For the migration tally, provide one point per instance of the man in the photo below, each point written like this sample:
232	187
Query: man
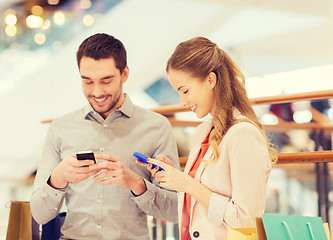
109	199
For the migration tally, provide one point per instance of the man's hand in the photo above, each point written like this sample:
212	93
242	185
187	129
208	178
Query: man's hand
115	171
71	170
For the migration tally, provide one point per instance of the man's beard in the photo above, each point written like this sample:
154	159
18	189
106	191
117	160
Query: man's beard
112	104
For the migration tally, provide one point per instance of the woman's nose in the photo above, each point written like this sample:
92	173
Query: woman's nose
183	101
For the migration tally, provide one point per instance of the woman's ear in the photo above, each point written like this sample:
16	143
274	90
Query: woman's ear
212	79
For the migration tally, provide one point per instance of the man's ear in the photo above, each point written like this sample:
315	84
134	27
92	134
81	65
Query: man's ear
125	74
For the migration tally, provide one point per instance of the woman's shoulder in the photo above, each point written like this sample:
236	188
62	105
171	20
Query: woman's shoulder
201	131
204	128
244	130
243	126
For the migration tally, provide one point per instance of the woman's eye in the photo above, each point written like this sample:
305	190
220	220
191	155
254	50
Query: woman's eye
185	92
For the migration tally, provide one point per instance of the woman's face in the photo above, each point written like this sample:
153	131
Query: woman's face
194	93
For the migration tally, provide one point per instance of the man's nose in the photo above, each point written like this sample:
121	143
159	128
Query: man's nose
98	91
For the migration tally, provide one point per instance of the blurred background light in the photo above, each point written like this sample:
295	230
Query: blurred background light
10	31
53	2
269	119
46	24
88	20
59	18
40	38
85	4
37	10
57	45
302	116
34	21
330	113
11	19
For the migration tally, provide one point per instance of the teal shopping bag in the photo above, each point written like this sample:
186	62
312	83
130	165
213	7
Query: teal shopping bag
292	227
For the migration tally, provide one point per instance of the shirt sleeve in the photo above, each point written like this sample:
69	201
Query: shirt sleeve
156	201
43	194
249	170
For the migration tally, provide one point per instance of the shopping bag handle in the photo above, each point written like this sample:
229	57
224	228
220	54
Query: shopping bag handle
288	230
310	230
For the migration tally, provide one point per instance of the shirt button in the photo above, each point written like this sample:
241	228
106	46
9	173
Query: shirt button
105	125
98	227
55	209
98	200
101	149
196	234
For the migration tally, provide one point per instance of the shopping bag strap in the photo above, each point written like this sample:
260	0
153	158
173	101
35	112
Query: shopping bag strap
310	230
288	230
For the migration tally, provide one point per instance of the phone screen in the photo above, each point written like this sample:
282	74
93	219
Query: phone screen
85	155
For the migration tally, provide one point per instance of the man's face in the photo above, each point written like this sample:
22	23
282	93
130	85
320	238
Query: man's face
102	84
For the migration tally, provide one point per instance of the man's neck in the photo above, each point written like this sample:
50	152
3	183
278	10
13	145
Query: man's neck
117	106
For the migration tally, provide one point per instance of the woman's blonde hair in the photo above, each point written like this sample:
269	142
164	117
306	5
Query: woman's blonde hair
199	57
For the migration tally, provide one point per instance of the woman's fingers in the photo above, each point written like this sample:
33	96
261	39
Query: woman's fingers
141	163
165	159
157	162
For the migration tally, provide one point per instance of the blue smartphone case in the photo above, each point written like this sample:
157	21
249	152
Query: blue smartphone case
143	158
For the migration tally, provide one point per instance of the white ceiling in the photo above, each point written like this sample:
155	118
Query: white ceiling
263	36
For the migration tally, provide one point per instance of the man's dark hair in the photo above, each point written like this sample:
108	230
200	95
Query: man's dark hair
102	46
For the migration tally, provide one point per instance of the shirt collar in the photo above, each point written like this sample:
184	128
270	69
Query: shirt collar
127	108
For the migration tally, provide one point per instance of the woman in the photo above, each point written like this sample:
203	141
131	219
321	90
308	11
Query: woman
224	182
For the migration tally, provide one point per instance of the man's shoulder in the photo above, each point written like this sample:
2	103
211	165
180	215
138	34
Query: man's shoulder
69	117
147	113
150	119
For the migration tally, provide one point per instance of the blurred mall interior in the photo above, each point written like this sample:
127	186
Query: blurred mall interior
283	48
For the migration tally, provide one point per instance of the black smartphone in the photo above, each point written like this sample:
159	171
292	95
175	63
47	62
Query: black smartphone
85	155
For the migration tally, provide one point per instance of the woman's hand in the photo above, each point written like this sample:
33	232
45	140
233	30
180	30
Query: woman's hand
179	181
154	170
171	177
